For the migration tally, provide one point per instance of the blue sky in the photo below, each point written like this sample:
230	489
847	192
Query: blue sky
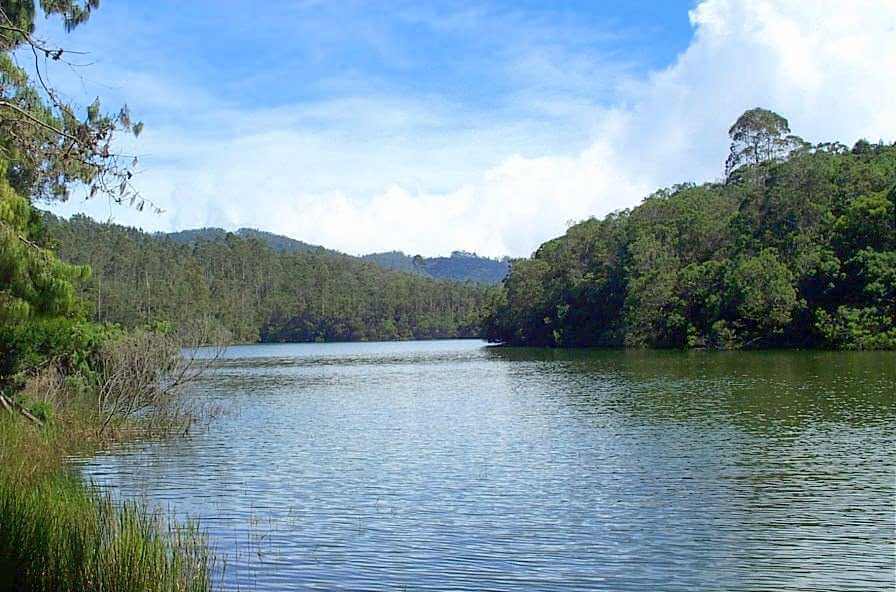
469	52
484	126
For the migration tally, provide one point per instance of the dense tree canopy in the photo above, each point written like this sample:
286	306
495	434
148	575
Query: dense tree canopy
798	250
460	266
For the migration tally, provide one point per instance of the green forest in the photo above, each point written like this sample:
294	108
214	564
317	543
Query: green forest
796	247
255	292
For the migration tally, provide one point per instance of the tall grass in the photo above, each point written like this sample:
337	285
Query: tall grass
58	533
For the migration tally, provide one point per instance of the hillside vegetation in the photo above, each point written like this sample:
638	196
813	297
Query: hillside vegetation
796	247
255	291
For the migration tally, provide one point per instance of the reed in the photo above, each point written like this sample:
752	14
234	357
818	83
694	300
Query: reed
58	533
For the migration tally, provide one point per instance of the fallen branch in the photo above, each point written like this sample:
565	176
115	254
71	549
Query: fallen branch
13	406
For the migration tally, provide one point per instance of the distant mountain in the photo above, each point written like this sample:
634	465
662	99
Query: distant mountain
461	266
396	260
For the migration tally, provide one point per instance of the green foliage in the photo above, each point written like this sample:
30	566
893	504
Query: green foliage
39	309
875	271
867	222
42	410
857	328
761	290
71	344
806	257
256	292
33	282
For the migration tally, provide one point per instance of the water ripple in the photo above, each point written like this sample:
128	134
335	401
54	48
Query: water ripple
451	466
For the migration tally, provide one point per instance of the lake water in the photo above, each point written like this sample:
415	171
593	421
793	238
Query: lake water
448	465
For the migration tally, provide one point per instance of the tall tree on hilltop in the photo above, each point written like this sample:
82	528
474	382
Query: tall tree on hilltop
758	136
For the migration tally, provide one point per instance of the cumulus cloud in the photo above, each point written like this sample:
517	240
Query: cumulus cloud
424	175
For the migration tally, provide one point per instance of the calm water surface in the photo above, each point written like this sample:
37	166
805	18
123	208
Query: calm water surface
451	466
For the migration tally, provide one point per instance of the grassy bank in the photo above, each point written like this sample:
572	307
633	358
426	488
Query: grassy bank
59	533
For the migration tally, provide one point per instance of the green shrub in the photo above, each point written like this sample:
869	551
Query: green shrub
72	343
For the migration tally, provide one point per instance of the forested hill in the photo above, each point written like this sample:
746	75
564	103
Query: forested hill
796	247
460	266
279	243
256	292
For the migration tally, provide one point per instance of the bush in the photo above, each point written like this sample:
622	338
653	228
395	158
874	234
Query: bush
143	373
71	344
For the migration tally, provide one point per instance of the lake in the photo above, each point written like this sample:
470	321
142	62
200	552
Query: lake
449	465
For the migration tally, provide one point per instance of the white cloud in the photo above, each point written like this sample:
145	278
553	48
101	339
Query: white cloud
423	175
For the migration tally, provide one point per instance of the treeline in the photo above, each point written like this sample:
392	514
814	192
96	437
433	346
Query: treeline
796	248
255	292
